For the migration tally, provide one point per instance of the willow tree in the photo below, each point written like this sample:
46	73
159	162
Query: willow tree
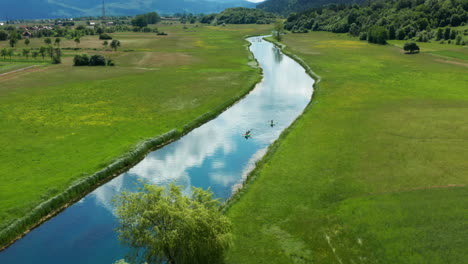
161	225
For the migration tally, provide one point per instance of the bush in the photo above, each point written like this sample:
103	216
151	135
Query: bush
146	29
378	35
3	35
97	60
104	36
411	47
161	33
81	60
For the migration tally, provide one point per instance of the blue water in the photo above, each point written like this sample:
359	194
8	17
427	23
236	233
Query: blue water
214	155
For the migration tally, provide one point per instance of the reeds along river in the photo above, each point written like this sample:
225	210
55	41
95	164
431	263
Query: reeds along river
215	155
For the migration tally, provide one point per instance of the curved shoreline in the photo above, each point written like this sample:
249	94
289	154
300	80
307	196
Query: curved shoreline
50	208
274	146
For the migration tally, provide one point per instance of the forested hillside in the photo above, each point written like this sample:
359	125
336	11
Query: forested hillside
242	15
288	6
403	19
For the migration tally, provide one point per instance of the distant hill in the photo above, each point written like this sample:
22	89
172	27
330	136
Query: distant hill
29	9
288	6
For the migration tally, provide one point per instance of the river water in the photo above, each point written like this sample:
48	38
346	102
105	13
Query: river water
215	155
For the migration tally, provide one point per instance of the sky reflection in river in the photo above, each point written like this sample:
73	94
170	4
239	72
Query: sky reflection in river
216	155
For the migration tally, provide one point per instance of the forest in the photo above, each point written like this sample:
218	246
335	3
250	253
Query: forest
403	19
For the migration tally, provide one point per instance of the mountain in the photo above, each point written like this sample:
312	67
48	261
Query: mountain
288	6
30	9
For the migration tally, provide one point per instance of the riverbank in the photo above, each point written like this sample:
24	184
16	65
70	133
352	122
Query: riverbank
116	104
374	169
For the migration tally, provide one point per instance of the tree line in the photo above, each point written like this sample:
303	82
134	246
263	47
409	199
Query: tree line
421	20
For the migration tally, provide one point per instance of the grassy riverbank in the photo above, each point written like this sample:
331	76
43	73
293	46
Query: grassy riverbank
62	123
373	172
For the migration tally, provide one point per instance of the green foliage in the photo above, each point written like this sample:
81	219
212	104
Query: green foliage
3	35
403	19
164	226
241	15
115	44
278	29
411	47
97	60
105	36
378	35
81	60
145	19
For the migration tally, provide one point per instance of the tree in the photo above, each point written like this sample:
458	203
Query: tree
3	35
140	21
378	35
105	44
35	54
42	51
440	34
27	42
57	42
81	60
411	47
163	226
153	18
47	41
11	52
13	42
4	53
77	41
26	53
447	33
56	55
115	44
278	29
97	60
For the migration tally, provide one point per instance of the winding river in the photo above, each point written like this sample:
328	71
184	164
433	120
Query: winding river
215	155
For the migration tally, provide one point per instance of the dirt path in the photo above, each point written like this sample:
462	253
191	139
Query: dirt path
22	69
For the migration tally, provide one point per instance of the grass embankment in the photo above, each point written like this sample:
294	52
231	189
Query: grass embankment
61	123
375	171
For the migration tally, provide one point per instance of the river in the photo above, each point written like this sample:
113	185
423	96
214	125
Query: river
215	155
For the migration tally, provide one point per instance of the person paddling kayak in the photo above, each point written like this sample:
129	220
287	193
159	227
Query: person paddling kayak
248	134
272	124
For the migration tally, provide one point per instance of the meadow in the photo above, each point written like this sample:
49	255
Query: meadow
62	123
374	171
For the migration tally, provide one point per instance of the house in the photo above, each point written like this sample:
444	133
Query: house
2	24
92	23
110	23
27	34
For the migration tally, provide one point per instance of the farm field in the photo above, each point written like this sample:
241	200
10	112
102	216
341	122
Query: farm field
61	123
375	171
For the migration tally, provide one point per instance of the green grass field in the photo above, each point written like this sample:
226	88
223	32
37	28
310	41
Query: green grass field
61	123
376	169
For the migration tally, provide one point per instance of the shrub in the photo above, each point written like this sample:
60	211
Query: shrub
411	47
378	35
81	60
104	36
363	36
97	60
3	35
146	29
